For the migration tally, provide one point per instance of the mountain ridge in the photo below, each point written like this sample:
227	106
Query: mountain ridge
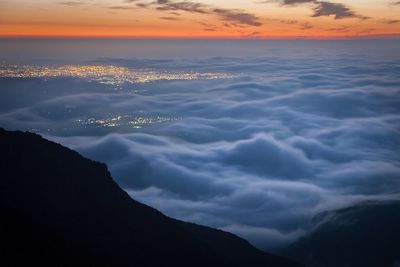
61	209
363	235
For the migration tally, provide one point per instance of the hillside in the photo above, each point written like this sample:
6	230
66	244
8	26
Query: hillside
61	209
366	235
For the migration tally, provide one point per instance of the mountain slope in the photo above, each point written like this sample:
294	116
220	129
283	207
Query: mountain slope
60	209
366	235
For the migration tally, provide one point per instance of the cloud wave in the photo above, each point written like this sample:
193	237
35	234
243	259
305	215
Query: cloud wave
259	154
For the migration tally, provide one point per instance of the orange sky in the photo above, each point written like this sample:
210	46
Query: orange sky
199	18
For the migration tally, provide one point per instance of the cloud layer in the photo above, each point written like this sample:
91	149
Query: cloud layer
285	137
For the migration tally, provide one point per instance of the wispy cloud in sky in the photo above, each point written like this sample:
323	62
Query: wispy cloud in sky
224	14
338	11
72	3
153	18
322	8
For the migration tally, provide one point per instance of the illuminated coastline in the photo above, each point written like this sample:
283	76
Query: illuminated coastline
104	74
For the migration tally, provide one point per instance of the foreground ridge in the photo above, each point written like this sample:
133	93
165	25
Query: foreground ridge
61	209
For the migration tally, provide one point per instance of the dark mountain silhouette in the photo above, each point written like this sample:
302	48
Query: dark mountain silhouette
61	209
366	235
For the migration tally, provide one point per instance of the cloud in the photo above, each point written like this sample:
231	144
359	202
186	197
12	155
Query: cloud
182	6
344	28
72	3
121	7
229	15
286	135
367	31
237	16
324	8
390	21
296	2
337	10
169	18
306	26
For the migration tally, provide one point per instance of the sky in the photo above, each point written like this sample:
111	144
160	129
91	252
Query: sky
199	18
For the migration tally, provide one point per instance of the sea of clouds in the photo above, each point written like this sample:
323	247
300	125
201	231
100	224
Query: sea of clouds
258	152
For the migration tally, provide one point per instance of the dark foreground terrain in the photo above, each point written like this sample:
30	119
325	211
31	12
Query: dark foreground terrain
366	235
61	209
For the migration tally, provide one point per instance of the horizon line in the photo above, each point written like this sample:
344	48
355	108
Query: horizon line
133	37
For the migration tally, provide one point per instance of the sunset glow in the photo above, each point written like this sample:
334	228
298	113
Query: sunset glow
199	19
